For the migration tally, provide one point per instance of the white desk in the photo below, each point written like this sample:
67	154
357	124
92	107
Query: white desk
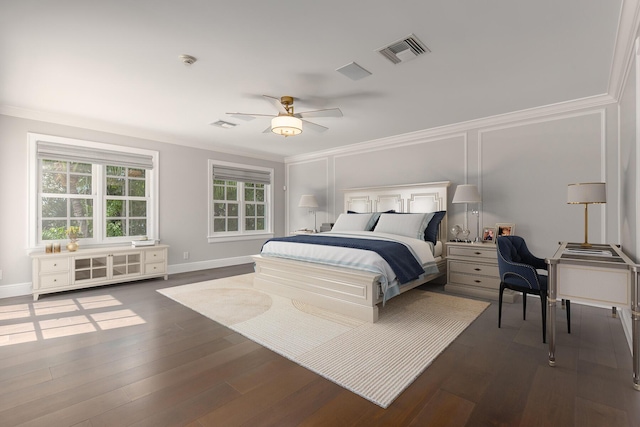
607	281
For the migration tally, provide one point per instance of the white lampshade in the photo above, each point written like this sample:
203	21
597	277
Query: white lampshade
466	193
308	201
286	125
587	192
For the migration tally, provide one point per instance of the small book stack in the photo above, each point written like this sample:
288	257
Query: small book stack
139	243
591	252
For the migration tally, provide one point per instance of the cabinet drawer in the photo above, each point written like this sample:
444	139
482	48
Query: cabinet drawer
473	268
154	268
477	281
53	265
487	252
154	255
54	280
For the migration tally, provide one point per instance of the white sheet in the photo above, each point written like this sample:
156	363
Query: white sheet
358	259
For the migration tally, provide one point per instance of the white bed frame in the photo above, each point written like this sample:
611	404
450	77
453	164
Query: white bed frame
346	291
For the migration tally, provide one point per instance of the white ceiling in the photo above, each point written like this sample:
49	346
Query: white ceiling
114	64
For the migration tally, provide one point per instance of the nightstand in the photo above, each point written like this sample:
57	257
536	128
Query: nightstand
472	269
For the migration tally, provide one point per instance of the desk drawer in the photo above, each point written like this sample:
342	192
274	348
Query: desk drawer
473	268
599	286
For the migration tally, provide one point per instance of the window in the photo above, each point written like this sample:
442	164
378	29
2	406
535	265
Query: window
239	202
109	192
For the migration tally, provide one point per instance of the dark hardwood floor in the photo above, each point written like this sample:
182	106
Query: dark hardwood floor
126	355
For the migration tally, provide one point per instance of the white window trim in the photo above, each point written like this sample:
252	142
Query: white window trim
152	183
233	237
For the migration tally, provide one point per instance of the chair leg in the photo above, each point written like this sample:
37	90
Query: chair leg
543	301
524	306
500	304
568	305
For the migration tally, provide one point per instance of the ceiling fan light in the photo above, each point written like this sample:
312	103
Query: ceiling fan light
286	125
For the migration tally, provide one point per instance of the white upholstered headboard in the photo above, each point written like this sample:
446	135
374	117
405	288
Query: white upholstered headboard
410	198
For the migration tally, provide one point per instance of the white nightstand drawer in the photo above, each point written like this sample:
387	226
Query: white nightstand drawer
54	264
474	251
473	268
54	280
475	281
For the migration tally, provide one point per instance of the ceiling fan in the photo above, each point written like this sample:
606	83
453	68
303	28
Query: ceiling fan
288	123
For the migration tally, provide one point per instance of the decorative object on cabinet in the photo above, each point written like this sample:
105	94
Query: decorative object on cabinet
309	201
467	193
465	235
472	270
456	230
96	267
488	235
518	272
586	193
505	229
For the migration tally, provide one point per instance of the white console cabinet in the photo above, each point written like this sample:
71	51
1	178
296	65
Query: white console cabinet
84	268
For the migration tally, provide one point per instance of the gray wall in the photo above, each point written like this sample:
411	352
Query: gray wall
629	166
183	200
521	166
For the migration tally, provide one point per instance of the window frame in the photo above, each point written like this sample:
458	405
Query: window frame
98	192
241	234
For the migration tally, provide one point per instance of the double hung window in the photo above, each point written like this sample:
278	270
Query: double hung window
108	192
240	201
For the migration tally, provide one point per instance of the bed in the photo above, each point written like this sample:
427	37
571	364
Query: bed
352	291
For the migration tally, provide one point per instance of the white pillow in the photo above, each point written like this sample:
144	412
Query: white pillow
410	225
352	222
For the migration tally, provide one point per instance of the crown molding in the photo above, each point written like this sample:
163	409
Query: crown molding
623	57
113	128
596	101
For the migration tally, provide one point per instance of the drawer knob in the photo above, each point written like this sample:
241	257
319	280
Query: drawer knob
55	265
478	253
477	269
478	281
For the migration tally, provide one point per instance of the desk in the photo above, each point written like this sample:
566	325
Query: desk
608	279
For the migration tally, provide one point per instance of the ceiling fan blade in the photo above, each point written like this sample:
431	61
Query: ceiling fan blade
276	103
242	115
313	126
329	112
267	130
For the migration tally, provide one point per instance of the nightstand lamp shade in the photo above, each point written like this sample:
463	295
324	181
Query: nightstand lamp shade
309	201
586	193
468	193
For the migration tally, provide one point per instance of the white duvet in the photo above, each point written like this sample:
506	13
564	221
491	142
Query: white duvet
358	259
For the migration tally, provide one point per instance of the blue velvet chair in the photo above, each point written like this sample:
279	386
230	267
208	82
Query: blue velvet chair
517	268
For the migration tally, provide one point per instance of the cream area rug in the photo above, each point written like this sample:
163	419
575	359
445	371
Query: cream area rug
374	360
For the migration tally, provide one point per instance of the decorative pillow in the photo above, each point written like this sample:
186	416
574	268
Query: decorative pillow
410	224
346	222
431	232
374	218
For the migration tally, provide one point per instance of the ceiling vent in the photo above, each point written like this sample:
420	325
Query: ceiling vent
224	125
404	50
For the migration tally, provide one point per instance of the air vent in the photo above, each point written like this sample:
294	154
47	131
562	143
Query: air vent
223	124
404	50
354	71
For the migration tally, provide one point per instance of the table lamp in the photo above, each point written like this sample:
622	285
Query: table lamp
468	193
309	201
586	193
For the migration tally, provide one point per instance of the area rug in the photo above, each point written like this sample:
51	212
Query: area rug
374	360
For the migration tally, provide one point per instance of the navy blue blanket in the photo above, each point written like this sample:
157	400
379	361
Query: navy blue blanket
397	255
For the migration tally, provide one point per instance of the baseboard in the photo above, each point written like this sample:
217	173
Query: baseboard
214	263
15	290
22	289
